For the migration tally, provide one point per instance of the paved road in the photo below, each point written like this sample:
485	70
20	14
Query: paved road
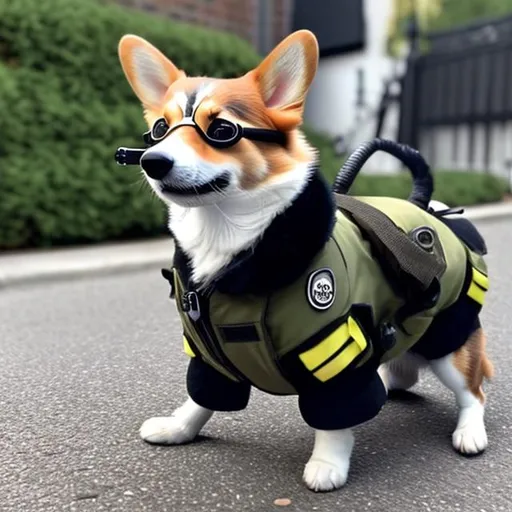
83	363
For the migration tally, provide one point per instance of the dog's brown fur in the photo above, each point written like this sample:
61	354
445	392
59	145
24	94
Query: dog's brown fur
472	361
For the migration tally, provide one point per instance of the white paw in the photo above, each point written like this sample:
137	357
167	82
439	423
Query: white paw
322	476
181	427
471	438
166	430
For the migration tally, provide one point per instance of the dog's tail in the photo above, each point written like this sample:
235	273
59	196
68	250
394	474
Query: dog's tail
423	182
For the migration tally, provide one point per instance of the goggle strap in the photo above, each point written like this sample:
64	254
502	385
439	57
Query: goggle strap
264	135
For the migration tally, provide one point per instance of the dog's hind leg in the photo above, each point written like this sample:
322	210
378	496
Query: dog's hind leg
463	372
401	372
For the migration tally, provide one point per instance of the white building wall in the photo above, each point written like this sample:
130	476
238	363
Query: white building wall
438	144
331	105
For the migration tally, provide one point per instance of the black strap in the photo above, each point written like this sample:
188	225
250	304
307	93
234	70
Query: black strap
448	211
263	135
414	272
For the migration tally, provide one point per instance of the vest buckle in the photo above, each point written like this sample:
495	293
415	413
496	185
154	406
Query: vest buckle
387	337
190	304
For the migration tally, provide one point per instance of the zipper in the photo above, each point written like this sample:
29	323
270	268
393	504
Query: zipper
202	322
191	304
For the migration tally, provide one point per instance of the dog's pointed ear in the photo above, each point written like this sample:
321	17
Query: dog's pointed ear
285	75
149	72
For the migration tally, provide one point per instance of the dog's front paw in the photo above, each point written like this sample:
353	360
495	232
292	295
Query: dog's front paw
321	476
182	427
166	430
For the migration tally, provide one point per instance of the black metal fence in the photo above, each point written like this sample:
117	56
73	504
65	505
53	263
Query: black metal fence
463	81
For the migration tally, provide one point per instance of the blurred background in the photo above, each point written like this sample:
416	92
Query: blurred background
435	74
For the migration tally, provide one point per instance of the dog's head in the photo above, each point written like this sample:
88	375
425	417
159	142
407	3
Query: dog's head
207	138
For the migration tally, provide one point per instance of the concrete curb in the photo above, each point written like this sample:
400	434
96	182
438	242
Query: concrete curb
489	212
37	266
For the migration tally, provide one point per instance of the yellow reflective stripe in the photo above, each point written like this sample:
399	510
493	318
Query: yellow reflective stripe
480	279
317	355
476	293
339	363
478	287
187	349
356	333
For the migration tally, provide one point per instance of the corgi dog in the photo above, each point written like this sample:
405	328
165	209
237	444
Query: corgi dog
249	212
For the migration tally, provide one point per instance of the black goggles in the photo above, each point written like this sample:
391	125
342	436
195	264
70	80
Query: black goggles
220	134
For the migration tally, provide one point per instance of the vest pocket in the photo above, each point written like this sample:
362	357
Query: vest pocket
249	350
244	333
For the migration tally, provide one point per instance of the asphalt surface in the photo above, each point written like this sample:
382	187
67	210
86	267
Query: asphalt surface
85	362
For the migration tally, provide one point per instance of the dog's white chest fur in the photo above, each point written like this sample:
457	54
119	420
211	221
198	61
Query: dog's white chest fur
211	235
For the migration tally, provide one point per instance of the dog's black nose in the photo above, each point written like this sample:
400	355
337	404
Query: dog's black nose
156	165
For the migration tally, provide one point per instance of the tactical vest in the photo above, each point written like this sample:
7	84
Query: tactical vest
246	338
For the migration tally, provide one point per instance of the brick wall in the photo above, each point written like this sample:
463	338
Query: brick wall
236	16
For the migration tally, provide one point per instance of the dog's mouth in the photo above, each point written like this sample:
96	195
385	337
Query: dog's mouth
218	184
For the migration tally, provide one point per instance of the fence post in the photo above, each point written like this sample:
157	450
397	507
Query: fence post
409	96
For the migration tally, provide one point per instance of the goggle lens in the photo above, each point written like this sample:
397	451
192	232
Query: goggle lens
221	130
159	129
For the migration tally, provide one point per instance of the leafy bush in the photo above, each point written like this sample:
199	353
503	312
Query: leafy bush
454	188
330	162
66	106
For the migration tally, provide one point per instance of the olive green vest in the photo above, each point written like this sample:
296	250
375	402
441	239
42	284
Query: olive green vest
246	337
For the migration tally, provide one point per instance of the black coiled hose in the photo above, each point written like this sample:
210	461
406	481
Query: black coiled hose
423	182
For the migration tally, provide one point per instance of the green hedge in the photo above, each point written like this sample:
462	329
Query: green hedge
454	188
66	106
